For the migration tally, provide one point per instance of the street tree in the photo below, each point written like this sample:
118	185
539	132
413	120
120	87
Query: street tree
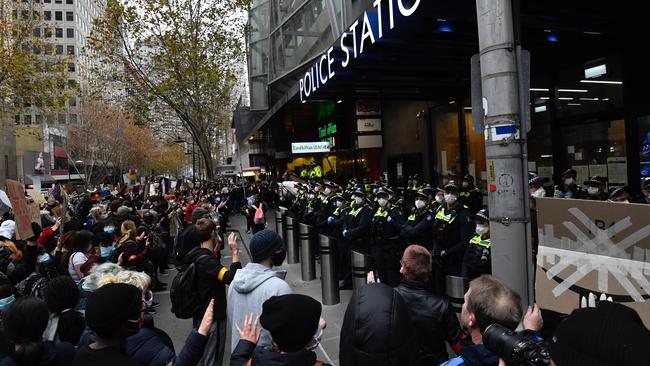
183	53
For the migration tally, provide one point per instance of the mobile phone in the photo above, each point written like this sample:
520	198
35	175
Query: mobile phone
282	274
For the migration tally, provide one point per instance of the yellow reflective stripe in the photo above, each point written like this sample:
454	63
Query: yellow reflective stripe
412	217
381	213
464	194
485	243
355	212
222	272
443	216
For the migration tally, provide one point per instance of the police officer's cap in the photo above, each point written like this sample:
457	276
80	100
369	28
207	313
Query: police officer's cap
338	197
536	181
329	184
468	177
423	193
570	173
359	192
416	177
383	192
596	181
645	184
615	192
428	189
482	215
451	186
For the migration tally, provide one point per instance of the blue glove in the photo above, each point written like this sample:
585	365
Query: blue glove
330	220
345	233
389	219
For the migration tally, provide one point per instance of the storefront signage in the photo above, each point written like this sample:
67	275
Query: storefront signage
310	147
327	131
369	125
360	33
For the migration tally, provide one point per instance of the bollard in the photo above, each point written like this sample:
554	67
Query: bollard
360	268
456	292
283	225
290	240
279	223
329	283
308	262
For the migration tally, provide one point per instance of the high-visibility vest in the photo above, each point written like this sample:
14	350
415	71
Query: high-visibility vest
485	243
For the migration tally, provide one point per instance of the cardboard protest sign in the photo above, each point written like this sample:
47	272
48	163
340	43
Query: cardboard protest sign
593	247
34	213
16	194
37	196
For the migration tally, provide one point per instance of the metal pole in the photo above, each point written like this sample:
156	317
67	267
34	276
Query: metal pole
193	166
505	152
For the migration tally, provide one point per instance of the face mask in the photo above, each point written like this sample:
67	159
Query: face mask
339	204
419	204
382	202
482	229
278	258
6	301
540	192
568	181
374	191
358	200
109	229
465	184
312	196
106	252
593	191
450	198
440	198
328	191
44	258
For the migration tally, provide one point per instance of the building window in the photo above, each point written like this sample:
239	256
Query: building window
69	32
58	1
70	50
73	101
59	32
73	118
17	119
37	32
47	15
58	15
69	16
27	119
59	49
48	32
72	83
61	118
71	67
69	2
39	119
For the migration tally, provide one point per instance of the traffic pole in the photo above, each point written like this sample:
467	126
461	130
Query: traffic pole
505	127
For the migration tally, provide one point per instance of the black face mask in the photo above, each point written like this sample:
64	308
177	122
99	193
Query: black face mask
278	258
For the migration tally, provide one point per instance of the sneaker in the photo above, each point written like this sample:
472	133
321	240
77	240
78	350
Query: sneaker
154	305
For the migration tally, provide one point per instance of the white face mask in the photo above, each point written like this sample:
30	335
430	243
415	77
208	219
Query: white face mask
339	204
450	198
358	200
382	202
593	190
540	192
482	229
328	191
568	181
440	198
465	184
374	191
419	204
311	196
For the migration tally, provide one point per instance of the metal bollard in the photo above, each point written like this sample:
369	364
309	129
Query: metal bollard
360	268
279	223
456	292
290	241
283	225
308	263
329	283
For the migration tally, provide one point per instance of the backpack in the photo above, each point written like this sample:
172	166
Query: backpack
183	292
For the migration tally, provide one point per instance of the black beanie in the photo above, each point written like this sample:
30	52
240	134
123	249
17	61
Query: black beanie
61	293
611	334
263	244
292	320
110	306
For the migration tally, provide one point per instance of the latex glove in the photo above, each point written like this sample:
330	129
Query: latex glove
330	220
389	219
345	233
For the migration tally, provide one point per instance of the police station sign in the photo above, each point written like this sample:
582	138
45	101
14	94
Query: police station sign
310	147
364	31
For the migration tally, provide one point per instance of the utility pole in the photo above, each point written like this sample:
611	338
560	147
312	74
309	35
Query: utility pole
505	112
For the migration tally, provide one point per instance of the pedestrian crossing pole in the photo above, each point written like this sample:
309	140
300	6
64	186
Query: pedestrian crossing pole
503	106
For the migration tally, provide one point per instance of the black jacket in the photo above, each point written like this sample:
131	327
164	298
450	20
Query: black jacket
376	329
246	350
417	228
453	237
434	320
212	279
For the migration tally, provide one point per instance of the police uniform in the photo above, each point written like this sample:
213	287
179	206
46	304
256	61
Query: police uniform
417	227
471	196
356	230
572	191
477	259
598	182
385	229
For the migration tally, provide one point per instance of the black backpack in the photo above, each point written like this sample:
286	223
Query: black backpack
183	292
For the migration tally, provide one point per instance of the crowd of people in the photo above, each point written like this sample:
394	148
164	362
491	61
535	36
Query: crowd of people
81	290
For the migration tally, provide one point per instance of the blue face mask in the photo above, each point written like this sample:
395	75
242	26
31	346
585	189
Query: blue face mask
106	252
109	229
44	258
6	301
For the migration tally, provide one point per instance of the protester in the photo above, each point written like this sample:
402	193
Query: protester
65	324
295	325
376	329
433	318
81	246
187	238
257	282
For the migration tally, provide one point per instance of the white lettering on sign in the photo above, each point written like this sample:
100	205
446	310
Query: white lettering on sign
372	29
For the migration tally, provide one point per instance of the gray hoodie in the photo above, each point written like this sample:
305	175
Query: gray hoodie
251	287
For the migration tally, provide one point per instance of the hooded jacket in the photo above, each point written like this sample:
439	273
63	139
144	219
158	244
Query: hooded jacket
376	329
246	351
251	287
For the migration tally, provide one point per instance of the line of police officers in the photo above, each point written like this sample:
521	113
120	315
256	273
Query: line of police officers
379	221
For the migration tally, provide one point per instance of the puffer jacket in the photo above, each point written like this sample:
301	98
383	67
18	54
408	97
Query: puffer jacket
376	329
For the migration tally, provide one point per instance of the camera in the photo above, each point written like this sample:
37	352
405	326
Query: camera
514	348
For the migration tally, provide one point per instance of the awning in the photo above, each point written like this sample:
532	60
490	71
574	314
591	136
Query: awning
59	178
60	152
45	178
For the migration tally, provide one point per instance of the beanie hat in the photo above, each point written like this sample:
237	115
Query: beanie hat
263	244
198	213
292	320
611	334
8	228
110	306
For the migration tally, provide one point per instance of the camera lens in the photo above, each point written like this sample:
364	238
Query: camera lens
500	340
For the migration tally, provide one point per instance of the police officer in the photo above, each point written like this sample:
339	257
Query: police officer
596	188
645	191
453	228
620	195
356	230
438	199
386	224
417	227
569	188
470	195
316	172
297	209
327	206
477	260
334	223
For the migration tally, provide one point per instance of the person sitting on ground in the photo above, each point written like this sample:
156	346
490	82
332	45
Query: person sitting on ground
65	324
81	247
257	282
376	329
295	325
433	318
6	298
212	278
24	322
91	282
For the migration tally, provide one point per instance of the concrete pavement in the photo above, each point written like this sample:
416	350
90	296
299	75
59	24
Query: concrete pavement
328	350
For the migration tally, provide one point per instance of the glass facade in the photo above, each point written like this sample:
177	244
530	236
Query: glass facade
258	55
